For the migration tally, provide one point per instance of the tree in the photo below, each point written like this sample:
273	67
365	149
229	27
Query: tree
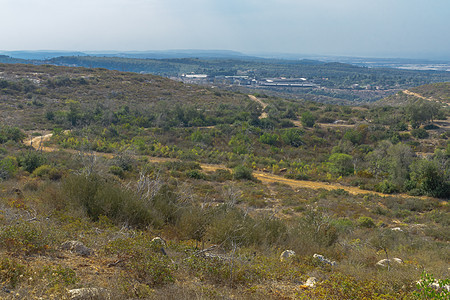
378	159
240	143
430	179
341	164
400	157
422	111
308	119
74	113
292	137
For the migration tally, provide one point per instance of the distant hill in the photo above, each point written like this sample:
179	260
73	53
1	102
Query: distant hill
27	92
40	55
439	92
328	82
4	59
162	54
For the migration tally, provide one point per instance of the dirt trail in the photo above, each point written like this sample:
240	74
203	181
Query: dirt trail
266	178
263	104
37	143
271	178
408	92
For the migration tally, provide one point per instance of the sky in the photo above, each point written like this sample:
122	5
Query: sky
367	28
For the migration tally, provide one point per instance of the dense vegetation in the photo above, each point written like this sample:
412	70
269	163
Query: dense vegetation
142	156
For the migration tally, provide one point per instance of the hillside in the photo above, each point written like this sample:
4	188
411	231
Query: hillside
326	82
437	92
29	92
97	166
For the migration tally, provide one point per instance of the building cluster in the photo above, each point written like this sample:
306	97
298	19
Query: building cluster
246	80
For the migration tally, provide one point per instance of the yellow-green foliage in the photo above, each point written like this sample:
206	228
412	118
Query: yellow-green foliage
24	237
11	271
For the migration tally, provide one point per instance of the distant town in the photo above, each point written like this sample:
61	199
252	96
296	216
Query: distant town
250	81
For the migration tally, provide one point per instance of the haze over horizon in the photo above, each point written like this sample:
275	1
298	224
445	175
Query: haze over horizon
401	28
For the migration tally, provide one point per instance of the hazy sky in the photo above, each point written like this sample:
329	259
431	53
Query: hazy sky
380	28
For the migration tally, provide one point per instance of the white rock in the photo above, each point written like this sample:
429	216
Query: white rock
287	254
397	229
158	241
89	294
311	282
387	261
77	247
324	260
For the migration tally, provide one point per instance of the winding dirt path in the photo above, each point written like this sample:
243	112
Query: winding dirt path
408	92
266	178
263	104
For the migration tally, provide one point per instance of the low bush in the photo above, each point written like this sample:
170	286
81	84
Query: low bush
11	272
220	175
426	290
365	222
147	264
42	171
25	238
99	196
31	160
195	174
8	167
242	172
419	133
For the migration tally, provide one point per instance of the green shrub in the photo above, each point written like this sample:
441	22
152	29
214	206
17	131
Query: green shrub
30	160
59	275
354	136
430	179
8	167
365	222
195	174
55	174
419	133
341	164
341	286
226	226
26	238
193	223
292	137
199	137
308	119
269	139
98	197
153	269
425	290
242	172
42	171
312	232
147	264
8	133
430	127
343	224
386	187
115	170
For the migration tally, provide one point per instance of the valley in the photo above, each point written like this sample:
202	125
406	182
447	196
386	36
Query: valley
130	185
